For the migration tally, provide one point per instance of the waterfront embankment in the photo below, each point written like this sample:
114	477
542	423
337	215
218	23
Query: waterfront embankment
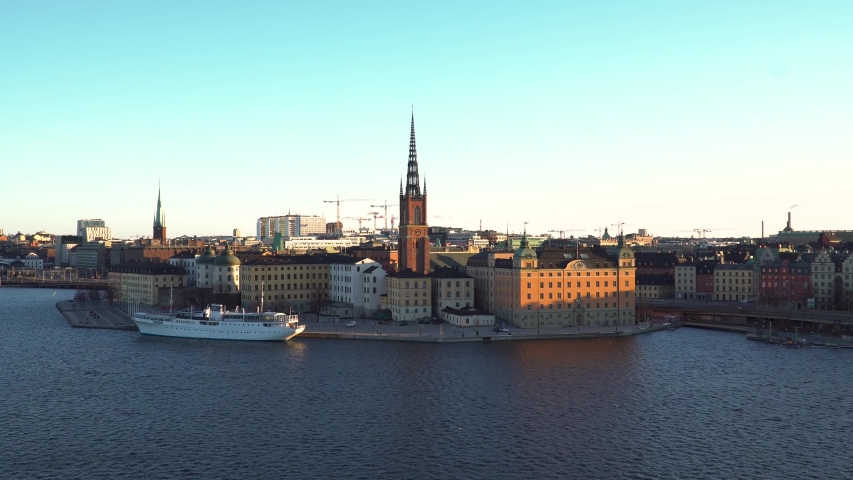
446	333
721	327
89	315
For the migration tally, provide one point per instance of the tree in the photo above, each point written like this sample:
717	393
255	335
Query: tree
319	298
81	296
96	295
220	293
283	306
199	297
112	293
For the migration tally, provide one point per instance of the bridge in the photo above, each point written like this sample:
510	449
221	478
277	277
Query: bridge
752	315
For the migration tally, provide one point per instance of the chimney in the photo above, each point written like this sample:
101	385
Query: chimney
789	221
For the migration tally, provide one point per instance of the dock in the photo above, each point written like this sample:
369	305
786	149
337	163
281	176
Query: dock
89	315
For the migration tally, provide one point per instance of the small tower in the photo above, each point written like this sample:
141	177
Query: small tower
524	256
159	221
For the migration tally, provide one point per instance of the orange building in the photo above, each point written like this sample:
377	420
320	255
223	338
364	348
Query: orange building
565	288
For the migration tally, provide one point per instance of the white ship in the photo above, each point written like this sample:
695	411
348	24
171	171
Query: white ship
217	323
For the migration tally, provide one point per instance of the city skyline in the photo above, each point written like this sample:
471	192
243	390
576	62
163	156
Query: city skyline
665	116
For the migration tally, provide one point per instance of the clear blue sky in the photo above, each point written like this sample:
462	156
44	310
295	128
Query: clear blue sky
569	115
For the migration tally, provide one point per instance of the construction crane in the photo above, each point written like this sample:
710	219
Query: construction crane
703	231
375	216
563	232
619	225
360	219
385	206
338	202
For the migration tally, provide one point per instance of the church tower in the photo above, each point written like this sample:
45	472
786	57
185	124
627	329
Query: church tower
159	221
413	244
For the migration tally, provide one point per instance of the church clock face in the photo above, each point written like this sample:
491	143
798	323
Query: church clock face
417	232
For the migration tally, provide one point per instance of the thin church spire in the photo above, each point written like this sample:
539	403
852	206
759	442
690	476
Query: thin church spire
413	183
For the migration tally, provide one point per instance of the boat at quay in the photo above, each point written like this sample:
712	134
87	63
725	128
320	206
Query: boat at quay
214	322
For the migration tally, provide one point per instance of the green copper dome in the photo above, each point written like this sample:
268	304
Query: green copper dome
207	258
226	259
524	251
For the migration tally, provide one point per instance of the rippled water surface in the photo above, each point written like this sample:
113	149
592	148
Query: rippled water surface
679	404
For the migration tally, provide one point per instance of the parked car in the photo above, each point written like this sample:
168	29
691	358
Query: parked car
351	323
500	330
435	321
404	323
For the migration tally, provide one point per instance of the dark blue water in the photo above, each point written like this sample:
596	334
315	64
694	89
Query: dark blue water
679	404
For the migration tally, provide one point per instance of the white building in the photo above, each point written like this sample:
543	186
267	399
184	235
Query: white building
91	229
359	282
204	268
187	261
290	226
302	244
226	272
62	244
32	261
374	288
92	234
467	317
463	238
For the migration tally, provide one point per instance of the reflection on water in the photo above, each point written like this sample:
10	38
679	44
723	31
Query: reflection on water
675	404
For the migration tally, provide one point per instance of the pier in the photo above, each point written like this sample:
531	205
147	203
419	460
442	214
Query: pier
94	315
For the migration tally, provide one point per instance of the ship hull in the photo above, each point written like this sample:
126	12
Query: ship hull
223	331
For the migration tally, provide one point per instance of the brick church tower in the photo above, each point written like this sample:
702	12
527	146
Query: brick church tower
413	244
159	222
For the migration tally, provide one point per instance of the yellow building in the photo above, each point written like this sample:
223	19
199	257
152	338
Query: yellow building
559	288
654	286
408	296
733	282
297	282
451	288
140	282
482	268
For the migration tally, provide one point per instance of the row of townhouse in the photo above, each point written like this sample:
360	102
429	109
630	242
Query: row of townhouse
711	280
822	281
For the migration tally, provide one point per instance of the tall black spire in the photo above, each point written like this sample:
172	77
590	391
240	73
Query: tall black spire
413	183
